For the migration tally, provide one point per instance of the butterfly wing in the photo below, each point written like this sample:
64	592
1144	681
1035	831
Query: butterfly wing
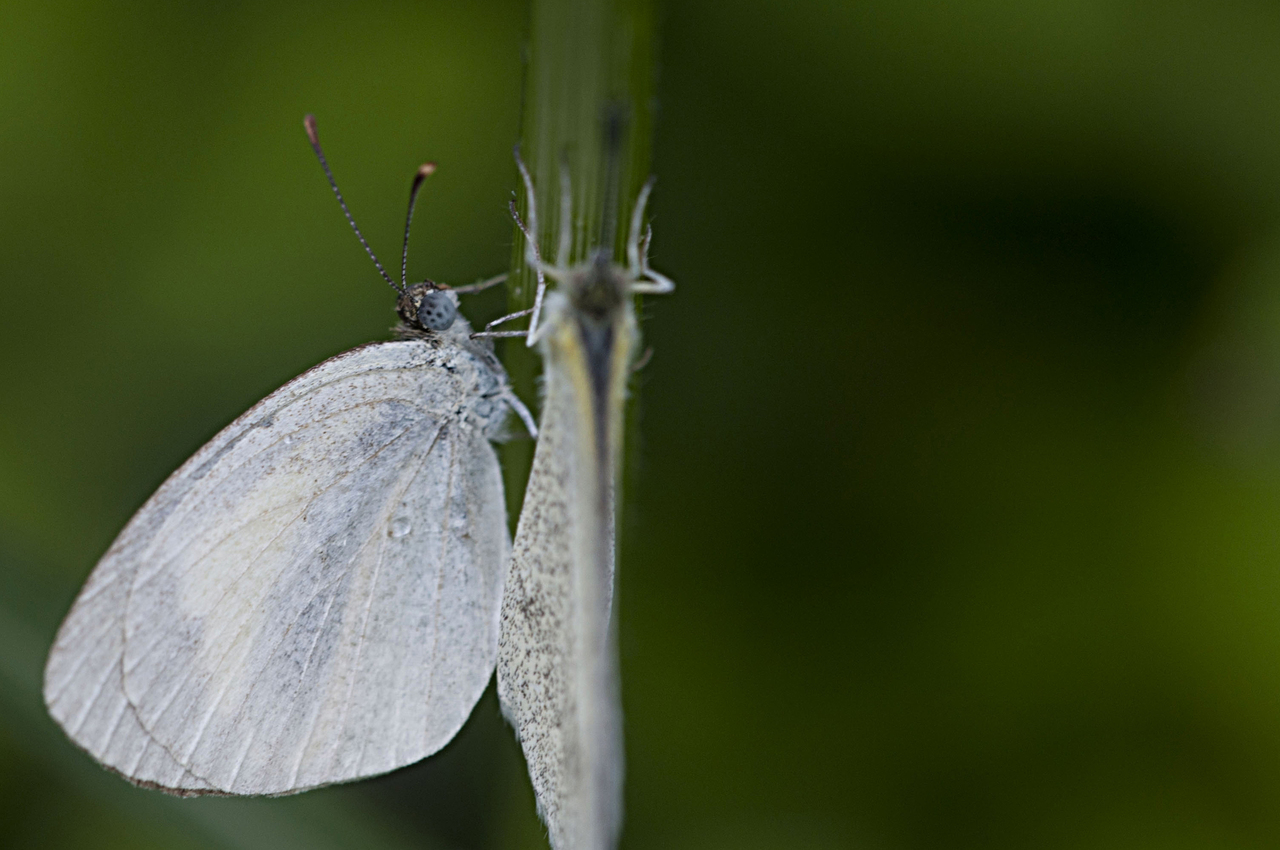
84	687
310	599
556	671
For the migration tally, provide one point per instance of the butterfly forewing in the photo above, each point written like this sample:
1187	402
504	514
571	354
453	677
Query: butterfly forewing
313	597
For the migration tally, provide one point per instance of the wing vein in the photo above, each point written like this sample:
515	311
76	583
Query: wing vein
444	545
115	723
70	676
315	718
355	667
435	438
276	648
251	562
316	423
191	669
93	698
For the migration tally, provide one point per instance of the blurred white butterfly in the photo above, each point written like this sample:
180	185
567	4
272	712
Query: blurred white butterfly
313	597
557	678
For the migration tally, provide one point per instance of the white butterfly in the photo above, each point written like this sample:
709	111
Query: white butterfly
557	678
314	596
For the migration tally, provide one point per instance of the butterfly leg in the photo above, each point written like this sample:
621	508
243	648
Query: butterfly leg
481	285
487	332
523	412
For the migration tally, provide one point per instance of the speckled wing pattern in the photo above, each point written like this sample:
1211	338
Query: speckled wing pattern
313	597
557	679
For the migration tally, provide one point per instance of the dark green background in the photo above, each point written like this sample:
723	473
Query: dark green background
957	511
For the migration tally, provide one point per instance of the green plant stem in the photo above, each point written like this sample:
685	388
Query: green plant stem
584	57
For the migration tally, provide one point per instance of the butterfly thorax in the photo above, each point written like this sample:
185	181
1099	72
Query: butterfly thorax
474	367
598	287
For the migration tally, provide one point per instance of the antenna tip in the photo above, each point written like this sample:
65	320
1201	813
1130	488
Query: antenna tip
426	169
309	121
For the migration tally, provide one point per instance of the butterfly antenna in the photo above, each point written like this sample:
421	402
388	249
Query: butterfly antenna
310	123
424	171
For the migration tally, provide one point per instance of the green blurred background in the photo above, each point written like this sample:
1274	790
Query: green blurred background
956	522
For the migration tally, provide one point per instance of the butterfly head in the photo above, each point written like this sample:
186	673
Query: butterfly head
427	306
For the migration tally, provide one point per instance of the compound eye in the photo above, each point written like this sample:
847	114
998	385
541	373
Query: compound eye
437	311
